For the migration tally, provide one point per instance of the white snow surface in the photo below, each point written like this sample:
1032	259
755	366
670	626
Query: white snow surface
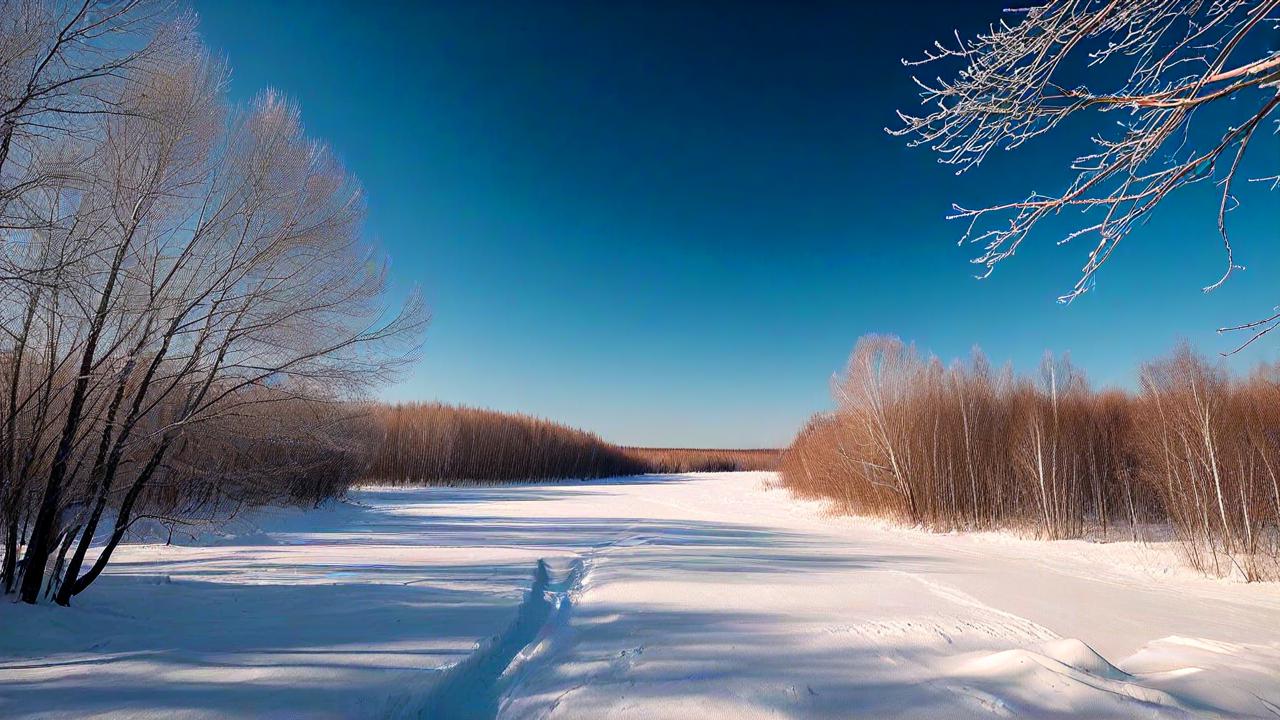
683	596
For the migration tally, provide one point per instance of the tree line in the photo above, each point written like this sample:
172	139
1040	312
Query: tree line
683	460
970	447
437	443
186	301
429	443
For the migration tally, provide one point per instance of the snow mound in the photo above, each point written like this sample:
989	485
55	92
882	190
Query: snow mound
1061	676
1068	652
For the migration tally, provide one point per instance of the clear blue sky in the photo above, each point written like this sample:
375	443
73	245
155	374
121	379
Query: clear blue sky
669	222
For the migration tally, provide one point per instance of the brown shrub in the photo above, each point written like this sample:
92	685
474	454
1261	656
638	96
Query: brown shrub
680	460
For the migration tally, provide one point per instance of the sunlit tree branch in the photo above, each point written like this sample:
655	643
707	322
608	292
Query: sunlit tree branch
1153	65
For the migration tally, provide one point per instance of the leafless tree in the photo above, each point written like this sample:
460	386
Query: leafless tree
188	269
63	66
1153	67
969	449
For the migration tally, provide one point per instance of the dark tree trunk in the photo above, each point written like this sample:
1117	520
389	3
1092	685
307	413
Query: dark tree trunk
39	545
55	577
10	569
73	586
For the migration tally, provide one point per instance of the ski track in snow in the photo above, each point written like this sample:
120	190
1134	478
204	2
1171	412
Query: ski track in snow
687	596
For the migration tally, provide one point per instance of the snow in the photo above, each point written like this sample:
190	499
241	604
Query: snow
700	595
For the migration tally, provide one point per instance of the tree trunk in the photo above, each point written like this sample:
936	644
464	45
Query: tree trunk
74	586
38	546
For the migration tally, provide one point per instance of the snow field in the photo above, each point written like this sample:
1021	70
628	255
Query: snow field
687	596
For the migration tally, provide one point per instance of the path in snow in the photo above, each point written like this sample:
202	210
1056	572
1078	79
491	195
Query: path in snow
691	596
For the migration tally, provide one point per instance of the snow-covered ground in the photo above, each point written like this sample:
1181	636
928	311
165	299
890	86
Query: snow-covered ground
688	596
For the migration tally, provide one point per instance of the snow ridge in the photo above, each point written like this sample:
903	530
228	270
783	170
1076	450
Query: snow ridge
1059	676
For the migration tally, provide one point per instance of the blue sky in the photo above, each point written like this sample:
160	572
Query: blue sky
670	222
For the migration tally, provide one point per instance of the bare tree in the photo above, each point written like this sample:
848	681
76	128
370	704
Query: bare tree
1152	67
63	66
1197	449
185	268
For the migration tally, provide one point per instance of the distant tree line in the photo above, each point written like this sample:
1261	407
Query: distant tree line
186	305
682	460
969	447
436	443
428	443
